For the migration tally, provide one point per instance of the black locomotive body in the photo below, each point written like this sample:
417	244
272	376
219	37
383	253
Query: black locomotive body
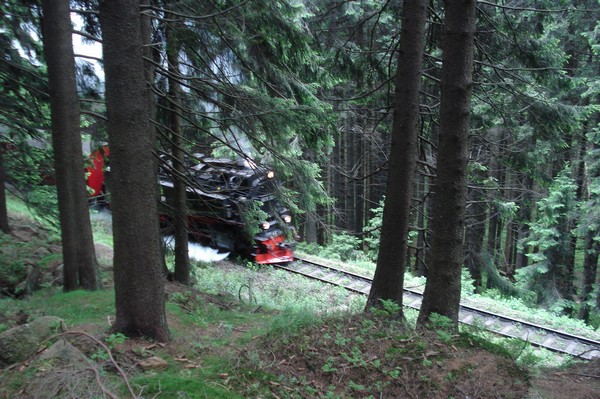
231	207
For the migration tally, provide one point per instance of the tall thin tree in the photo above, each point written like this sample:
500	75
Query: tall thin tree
80	266
391	261
182	259
4	225
442	291
139	283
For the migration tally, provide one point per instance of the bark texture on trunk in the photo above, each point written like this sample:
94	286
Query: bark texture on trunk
442	291
182	259
391	261
80	266
4	225
139	282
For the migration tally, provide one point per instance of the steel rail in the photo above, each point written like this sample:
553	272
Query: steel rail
535	334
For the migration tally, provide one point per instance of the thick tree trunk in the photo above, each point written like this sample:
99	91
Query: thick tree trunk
150	52
182	259
442	290
79	259
139	283
389	274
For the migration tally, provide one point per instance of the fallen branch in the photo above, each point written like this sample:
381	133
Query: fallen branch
111	358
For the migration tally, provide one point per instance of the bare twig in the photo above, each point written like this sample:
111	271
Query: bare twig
110	356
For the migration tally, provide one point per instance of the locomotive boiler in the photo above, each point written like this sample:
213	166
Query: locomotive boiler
232	205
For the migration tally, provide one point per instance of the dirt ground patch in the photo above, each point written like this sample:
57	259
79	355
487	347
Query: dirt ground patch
367	357
581	381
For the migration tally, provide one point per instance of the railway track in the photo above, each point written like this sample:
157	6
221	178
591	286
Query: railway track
537	335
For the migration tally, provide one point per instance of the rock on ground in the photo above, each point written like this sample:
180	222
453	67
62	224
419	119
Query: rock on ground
21	342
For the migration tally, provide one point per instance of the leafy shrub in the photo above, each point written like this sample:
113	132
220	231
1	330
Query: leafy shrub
344	247
372	231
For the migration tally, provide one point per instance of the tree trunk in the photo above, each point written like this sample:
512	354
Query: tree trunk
419	268
590	269
495	226
591	245
4	225
442	290
79	259
525	208
579	176
182	259
475	223
310	227
150	52
139	283
389	274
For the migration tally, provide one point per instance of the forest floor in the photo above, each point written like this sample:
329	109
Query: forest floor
224	348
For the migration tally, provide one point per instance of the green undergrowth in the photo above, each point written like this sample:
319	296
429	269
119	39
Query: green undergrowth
205	330
101	227
225	348
359	356
76	307
274	288
263	333
491	300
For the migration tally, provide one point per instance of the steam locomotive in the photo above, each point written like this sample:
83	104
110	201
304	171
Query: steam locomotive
232	205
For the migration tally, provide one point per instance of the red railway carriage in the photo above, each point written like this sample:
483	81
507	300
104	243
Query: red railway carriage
96	174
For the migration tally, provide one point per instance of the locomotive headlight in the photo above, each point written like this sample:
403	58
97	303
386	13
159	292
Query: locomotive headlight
270	174
265	225
287	218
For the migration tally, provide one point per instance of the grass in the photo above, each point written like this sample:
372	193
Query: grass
76	307
490	300
261	332
223	348
188	383
277	289
101	227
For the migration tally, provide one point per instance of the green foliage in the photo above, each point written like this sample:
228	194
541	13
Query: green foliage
496	281
114	339
271	110
29	170
440	323
196	383
508	210
372	231
389	309
282	290
551	235
12	268
344	247
467	286
328	366
253	216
